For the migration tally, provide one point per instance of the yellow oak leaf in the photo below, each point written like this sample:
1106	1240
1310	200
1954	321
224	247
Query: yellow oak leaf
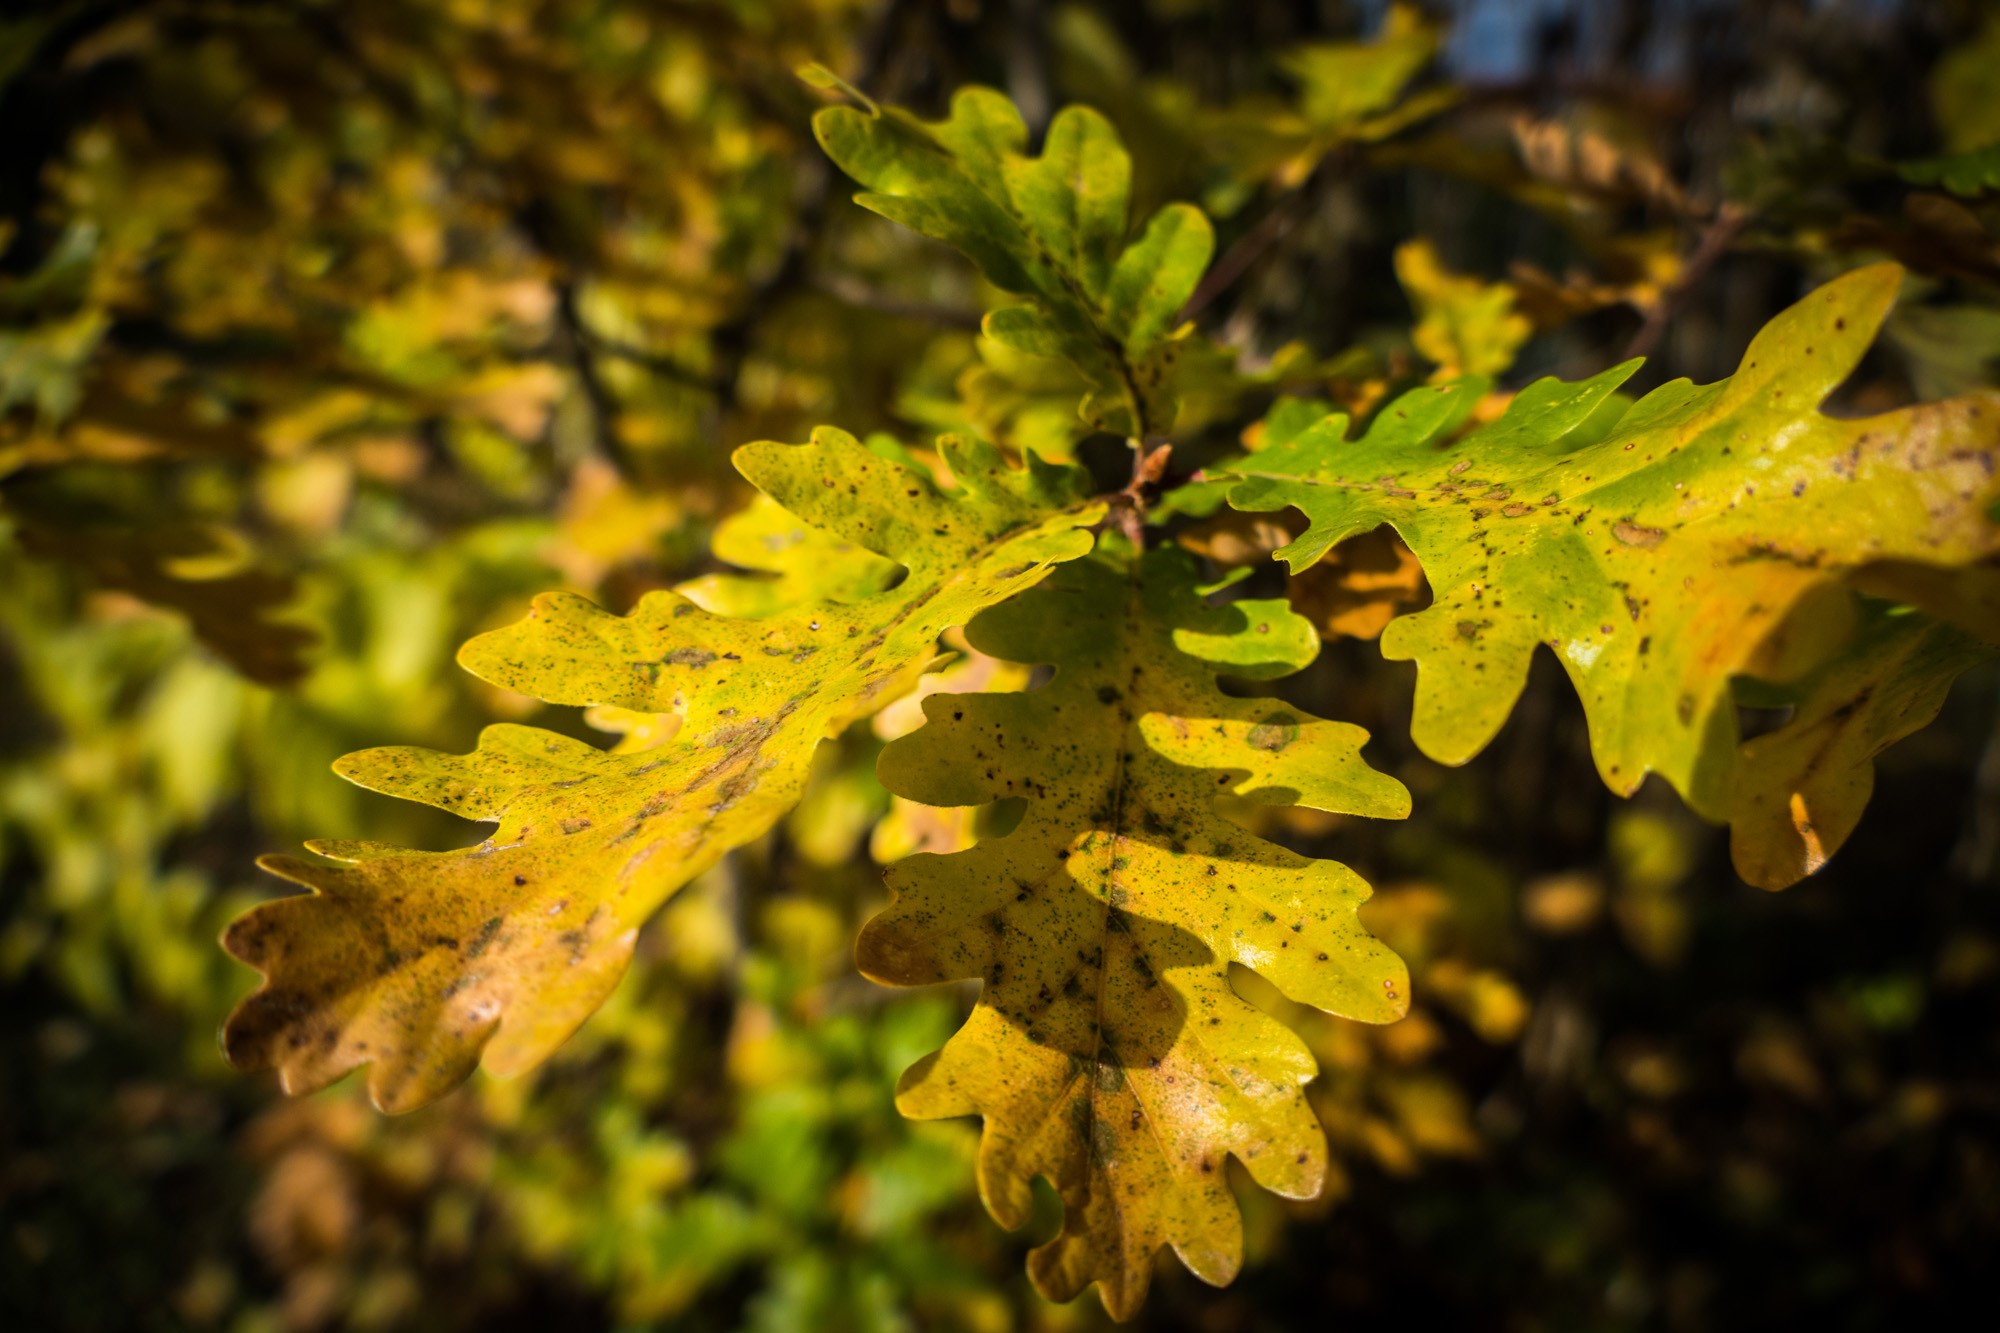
1108	1051
417	963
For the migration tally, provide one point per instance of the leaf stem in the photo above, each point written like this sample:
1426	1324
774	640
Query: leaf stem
1128	506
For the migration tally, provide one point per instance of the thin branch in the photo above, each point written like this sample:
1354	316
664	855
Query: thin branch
1716	238
1128	506
596	394
850	291
1663	101
1276	224
1247	249
652	362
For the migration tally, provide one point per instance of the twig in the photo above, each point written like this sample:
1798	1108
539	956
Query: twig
663	366
1248	248
1667	101
1716	238
603	406
849	291
1128	506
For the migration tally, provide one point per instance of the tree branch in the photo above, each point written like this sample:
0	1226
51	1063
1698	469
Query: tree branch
1716	238
850	291
1248	248
575	340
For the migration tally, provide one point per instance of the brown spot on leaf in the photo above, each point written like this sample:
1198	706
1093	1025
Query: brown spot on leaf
1632	534
1274	733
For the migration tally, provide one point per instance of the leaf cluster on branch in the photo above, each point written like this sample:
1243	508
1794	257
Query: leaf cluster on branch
340	343
1681	554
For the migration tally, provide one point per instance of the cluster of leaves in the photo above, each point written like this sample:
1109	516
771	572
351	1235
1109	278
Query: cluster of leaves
1108	1051
466	317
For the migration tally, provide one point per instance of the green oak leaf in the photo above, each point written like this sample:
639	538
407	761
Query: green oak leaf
1967	175
1348	94
1051	228
1348	89
418	962
1108	1051
1654	552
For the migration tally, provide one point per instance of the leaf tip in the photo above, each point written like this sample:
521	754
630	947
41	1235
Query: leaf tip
816	75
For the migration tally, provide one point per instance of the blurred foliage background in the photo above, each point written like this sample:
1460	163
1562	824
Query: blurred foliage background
330	332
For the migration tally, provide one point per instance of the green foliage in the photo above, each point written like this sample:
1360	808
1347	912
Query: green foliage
1339	96
1959	96
1051	228
1965	174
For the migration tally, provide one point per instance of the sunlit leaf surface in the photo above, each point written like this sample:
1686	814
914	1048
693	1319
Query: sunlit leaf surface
1108	1051
417	962
1652	555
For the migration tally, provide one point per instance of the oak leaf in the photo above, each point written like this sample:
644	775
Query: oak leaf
420	962
1798	791
1051	228
1655	552
1349	93
1464	326
1348	88
787	562
1108	1051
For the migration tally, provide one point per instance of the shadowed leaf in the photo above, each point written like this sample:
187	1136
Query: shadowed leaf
200	571
1967	175
1797	792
